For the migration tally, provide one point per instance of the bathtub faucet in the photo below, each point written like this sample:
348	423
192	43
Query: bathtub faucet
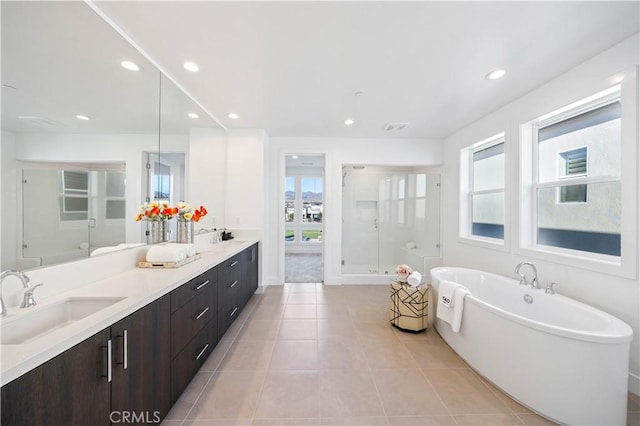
523	278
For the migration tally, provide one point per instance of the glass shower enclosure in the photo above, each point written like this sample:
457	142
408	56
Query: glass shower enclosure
390	215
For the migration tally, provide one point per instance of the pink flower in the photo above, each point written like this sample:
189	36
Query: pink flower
403	270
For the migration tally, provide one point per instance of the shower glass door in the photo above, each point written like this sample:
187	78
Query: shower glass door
390	216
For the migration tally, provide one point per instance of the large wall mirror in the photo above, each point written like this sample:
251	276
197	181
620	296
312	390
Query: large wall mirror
86	136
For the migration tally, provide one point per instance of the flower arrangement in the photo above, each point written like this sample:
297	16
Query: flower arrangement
403	271
156	211
187	212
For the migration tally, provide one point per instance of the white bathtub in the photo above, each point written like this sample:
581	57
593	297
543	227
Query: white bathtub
563	359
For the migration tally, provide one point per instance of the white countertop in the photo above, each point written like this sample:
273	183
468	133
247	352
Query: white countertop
137	286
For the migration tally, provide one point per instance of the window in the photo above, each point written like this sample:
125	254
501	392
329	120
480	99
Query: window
162	182
573	164
576	186
483	190
115	195
303	209
74	197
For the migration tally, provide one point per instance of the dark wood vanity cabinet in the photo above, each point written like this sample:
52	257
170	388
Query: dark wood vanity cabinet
230	292
194	328
154	354
141	363
70	389
85	386
250	271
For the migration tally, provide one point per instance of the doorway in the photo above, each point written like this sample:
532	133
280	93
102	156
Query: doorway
303	218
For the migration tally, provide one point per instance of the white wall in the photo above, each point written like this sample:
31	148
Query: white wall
611	293
337	151
246	179
207	169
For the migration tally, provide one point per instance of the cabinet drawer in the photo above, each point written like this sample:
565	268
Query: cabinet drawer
192	288
226	316
190	359
228	290
187	321
231	269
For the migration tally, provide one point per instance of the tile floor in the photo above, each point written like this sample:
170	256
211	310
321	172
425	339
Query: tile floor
307	354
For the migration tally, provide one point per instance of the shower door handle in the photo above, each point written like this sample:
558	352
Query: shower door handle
375	223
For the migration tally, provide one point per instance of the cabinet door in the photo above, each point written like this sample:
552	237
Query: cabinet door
251	271
70	389
142	363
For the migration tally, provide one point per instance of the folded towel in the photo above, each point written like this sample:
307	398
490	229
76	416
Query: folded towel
190	248
166	253
451	303
414	279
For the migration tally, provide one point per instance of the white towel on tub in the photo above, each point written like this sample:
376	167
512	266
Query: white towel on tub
451	303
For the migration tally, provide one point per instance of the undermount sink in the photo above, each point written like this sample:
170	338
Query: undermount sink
41	320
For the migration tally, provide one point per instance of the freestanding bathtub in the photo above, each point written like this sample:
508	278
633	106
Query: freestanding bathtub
563	359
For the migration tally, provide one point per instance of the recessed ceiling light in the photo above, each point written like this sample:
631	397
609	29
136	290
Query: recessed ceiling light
193	115
130	65
233	116
83	117
191	66
295	157
496	74
349	122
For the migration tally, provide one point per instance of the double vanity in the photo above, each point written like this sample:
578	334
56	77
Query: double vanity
122	349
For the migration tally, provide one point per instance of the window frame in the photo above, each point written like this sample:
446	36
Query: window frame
624	265
467	193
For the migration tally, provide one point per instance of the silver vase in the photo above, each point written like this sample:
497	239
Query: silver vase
185	232
158	231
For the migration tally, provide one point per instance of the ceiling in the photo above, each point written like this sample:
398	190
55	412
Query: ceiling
294	68
60	59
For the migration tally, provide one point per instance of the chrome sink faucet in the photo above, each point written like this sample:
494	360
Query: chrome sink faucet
523	278
28	299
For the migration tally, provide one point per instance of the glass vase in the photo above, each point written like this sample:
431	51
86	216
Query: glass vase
185	232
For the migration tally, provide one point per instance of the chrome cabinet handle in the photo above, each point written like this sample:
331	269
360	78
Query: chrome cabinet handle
202	313
125	336
233	264
109	368
125	349
233	312
202	285
234	283
202	351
